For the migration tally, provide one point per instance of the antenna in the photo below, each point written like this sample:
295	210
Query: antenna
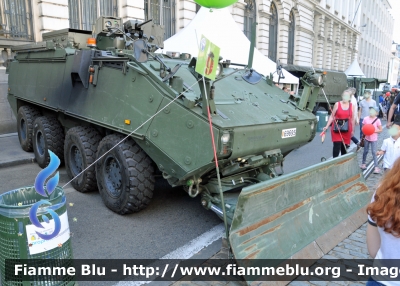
252	45
356	13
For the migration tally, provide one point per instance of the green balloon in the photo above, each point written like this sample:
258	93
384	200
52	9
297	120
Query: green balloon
215	3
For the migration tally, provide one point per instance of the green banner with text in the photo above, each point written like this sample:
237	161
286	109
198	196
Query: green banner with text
207	60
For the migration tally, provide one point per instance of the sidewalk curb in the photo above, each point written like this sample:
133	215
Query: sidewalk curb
17	162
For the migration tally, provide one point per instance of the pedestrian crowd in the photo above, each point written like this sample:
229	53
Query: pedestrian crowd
349	113
383	230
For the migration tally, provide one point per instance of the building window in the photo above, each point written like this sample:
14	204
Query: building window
291	38
83	13
164	15
249	17
16	20
273	33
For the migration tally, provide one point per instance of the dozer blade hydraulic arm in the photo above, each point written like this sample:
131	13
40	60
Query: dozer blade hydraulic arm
294	216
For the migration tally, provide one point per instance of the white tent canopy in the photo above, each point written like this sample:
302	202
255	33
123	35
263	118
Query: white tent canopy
220	28
354	70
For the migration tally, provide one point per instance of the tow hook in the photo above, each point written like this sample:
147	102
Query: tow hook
191	191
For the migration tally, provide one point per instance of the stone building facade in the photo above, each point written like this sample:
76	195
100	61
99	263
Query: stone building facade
376	37
326	34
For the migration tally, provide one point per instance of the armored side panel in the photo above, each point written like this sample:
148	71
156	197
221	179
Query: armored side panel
80	67
157	31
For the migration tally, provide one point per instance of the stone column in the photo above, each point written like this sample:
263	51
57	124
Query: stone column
185	13
328	45
355	47
349	48
131	9
3	56
336	47
283	36
320	39
49	16
263	32
343	50
238	13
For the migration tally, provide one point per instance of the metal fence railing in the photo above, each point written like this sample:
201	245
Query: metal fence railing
83	13
16	20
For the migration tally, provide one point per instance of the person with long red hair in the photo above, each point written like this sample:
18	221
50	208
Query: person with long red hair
383	230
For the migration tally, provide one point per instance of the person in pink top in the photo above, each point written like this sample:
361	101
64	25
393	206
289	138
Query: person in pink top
372	140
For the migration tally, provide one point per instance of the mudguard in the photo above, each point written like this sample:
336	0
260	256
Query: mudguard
276	219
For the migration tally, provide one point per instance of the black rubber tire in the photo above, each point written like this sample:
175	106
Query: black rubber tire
48	134
131	171
80	149
25	118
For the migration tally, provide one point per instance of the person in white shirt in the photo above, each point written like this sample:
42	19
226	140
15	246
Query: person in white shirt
391	147
383	229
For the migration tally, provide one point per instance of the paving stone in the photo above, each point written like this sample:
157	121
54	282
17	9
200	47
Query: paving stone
359	239
357	254
341	250
236	283
299	283
341	255
207	283
334	283
183	283
352	247
329	257
355	243
365	251
343	283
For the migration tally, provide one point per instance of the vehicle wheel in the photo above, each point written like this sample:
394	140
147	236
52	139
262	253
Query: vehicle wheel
48	134
80	149
25	118
124	175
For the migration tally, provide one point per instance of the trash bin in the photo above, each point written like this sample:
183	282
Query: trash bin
19	240
322	117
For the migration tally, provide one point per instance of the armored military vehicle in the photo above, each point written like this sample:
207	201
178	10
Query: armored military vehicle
116	112
335	84
362	84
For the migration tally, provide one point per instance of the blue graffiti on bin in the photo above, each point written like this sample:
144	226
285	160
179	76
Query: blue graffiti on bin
46	191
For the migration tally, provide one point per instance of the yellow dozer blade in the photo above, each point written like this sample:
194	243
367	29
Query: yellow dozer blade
301	215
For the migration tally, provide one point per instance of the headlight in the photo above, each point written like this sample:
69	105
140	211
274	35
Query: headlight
225	148
108	24
312	125
318	79
225	138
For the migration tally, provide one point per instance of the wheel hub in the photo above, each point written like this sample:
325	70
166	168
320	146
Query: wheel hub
76	160
113	177
40	143
22	125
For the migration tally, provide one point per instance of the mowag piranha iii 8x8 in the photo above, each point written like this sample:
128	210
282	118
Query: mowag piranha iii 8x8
80	96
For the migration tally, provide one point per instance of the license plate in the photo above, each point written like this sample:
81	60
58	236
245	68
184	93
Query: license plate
286	133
